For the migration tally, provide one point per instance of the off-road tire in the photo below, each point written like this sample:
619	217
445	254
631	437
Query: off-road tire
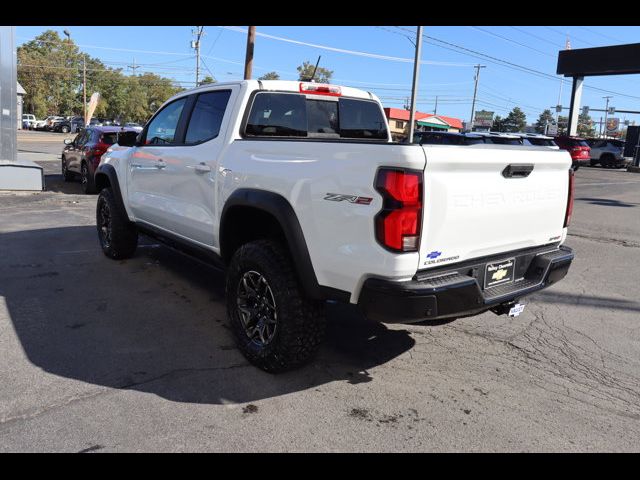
120	239
300	324
86	180
64	129
67	176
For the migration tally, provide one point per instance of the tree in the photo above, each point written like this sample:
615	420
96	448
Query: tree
270	76
323	75
545	118
585	126
563	123
515	121
208	79
498	124
51	71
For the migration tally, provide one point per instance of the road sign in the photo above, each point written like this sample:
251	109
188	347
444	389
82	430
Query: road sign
559	108
611	111
585	111
483	118
552	129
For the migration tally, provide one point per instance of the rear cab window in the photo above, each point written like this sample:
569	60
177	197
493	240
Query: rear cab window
282	114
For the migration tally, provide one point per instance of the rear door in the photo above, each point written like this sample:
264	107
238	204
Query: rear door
476	205
189	186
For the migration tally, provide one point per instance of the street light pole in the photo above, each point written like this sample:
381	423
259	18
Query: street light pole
414	86
196	45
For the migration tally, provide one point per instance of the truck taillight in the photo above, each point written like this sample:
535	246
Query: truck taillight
567	217
320	89
398	224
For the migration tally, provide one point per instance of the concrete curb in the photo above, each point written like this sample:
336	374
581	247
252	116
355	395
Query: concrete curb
633	169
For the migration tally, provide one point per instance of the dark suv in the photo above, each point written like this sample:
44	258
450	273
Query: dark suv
67	125
81	155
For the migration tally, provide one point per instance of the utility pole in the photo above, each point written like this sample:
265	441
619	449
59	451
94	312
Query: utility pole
435	109
606	111
414	87
195	44
248	61
600	127
475	91
134	66
84	86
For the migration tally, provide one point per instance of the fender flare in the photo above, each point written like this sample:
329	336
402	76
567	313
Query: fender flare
109	172
278	207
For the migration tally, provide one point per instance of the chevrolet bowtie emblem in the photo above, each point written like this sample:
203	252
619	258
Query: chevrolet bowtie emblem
499	274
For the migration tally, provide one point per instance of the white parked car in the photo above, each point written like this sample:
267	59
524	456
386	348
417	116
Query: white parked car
608	153
538	140
28	120
298	191
39	124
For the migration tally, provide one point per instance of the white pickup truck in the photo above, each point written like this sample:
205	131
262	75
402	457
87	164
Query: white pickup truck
297	190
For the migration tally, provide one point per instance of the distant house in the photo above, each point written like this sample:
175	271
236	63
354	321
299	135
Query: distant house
21	93
399	118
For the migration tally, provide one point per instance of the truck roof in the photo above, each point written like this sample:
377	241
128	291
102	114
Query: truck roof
282	86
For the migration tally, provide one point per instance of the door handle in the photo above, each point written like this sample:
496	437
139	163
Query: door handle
202	168
517	170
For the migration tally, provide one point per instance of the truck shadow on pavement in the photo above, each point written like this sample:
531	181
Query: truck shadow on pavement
157	323
591	301
606	202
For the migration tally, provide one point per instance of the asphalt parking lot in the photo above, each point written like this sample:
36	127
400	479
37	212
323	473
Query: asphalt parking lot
136	355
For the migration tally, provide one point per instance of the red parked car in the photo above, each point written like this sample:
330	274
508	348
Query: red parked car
81	155
578	148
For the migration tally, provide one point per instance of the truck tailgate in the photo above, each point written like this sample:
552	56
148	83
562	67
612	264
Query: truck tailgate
473	209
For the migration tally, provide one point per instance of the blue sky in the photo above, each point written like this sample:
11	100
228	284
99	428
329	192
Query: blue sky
447	73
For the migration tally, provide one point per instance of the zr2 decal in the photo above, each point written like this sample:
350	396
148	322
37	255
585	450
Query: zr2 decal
337	197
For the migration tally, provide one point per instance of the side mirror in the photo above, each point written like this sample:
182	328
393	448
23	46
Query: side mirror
68	141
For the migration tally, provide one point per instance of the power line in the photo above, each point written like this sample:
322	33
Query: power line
512	41
564	35
603	35
508	64
351	52
536	37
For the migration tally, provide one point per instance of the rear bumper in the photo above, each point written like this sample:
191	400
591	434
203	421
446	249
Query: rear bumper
456	291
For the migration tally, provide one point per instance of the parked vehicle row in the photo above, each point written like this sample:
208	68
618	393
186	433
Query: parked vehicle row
55	123
593	151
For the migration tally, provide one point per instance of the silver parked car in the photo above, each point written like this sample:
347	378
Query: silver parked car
608	153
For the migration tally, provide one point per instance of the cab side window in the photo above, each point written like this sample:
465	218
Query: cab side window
162	129
207	115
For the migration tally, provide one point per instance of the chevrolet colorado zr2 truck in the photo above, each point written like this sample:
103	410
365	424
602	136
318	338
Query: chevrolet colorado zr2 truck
297	190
